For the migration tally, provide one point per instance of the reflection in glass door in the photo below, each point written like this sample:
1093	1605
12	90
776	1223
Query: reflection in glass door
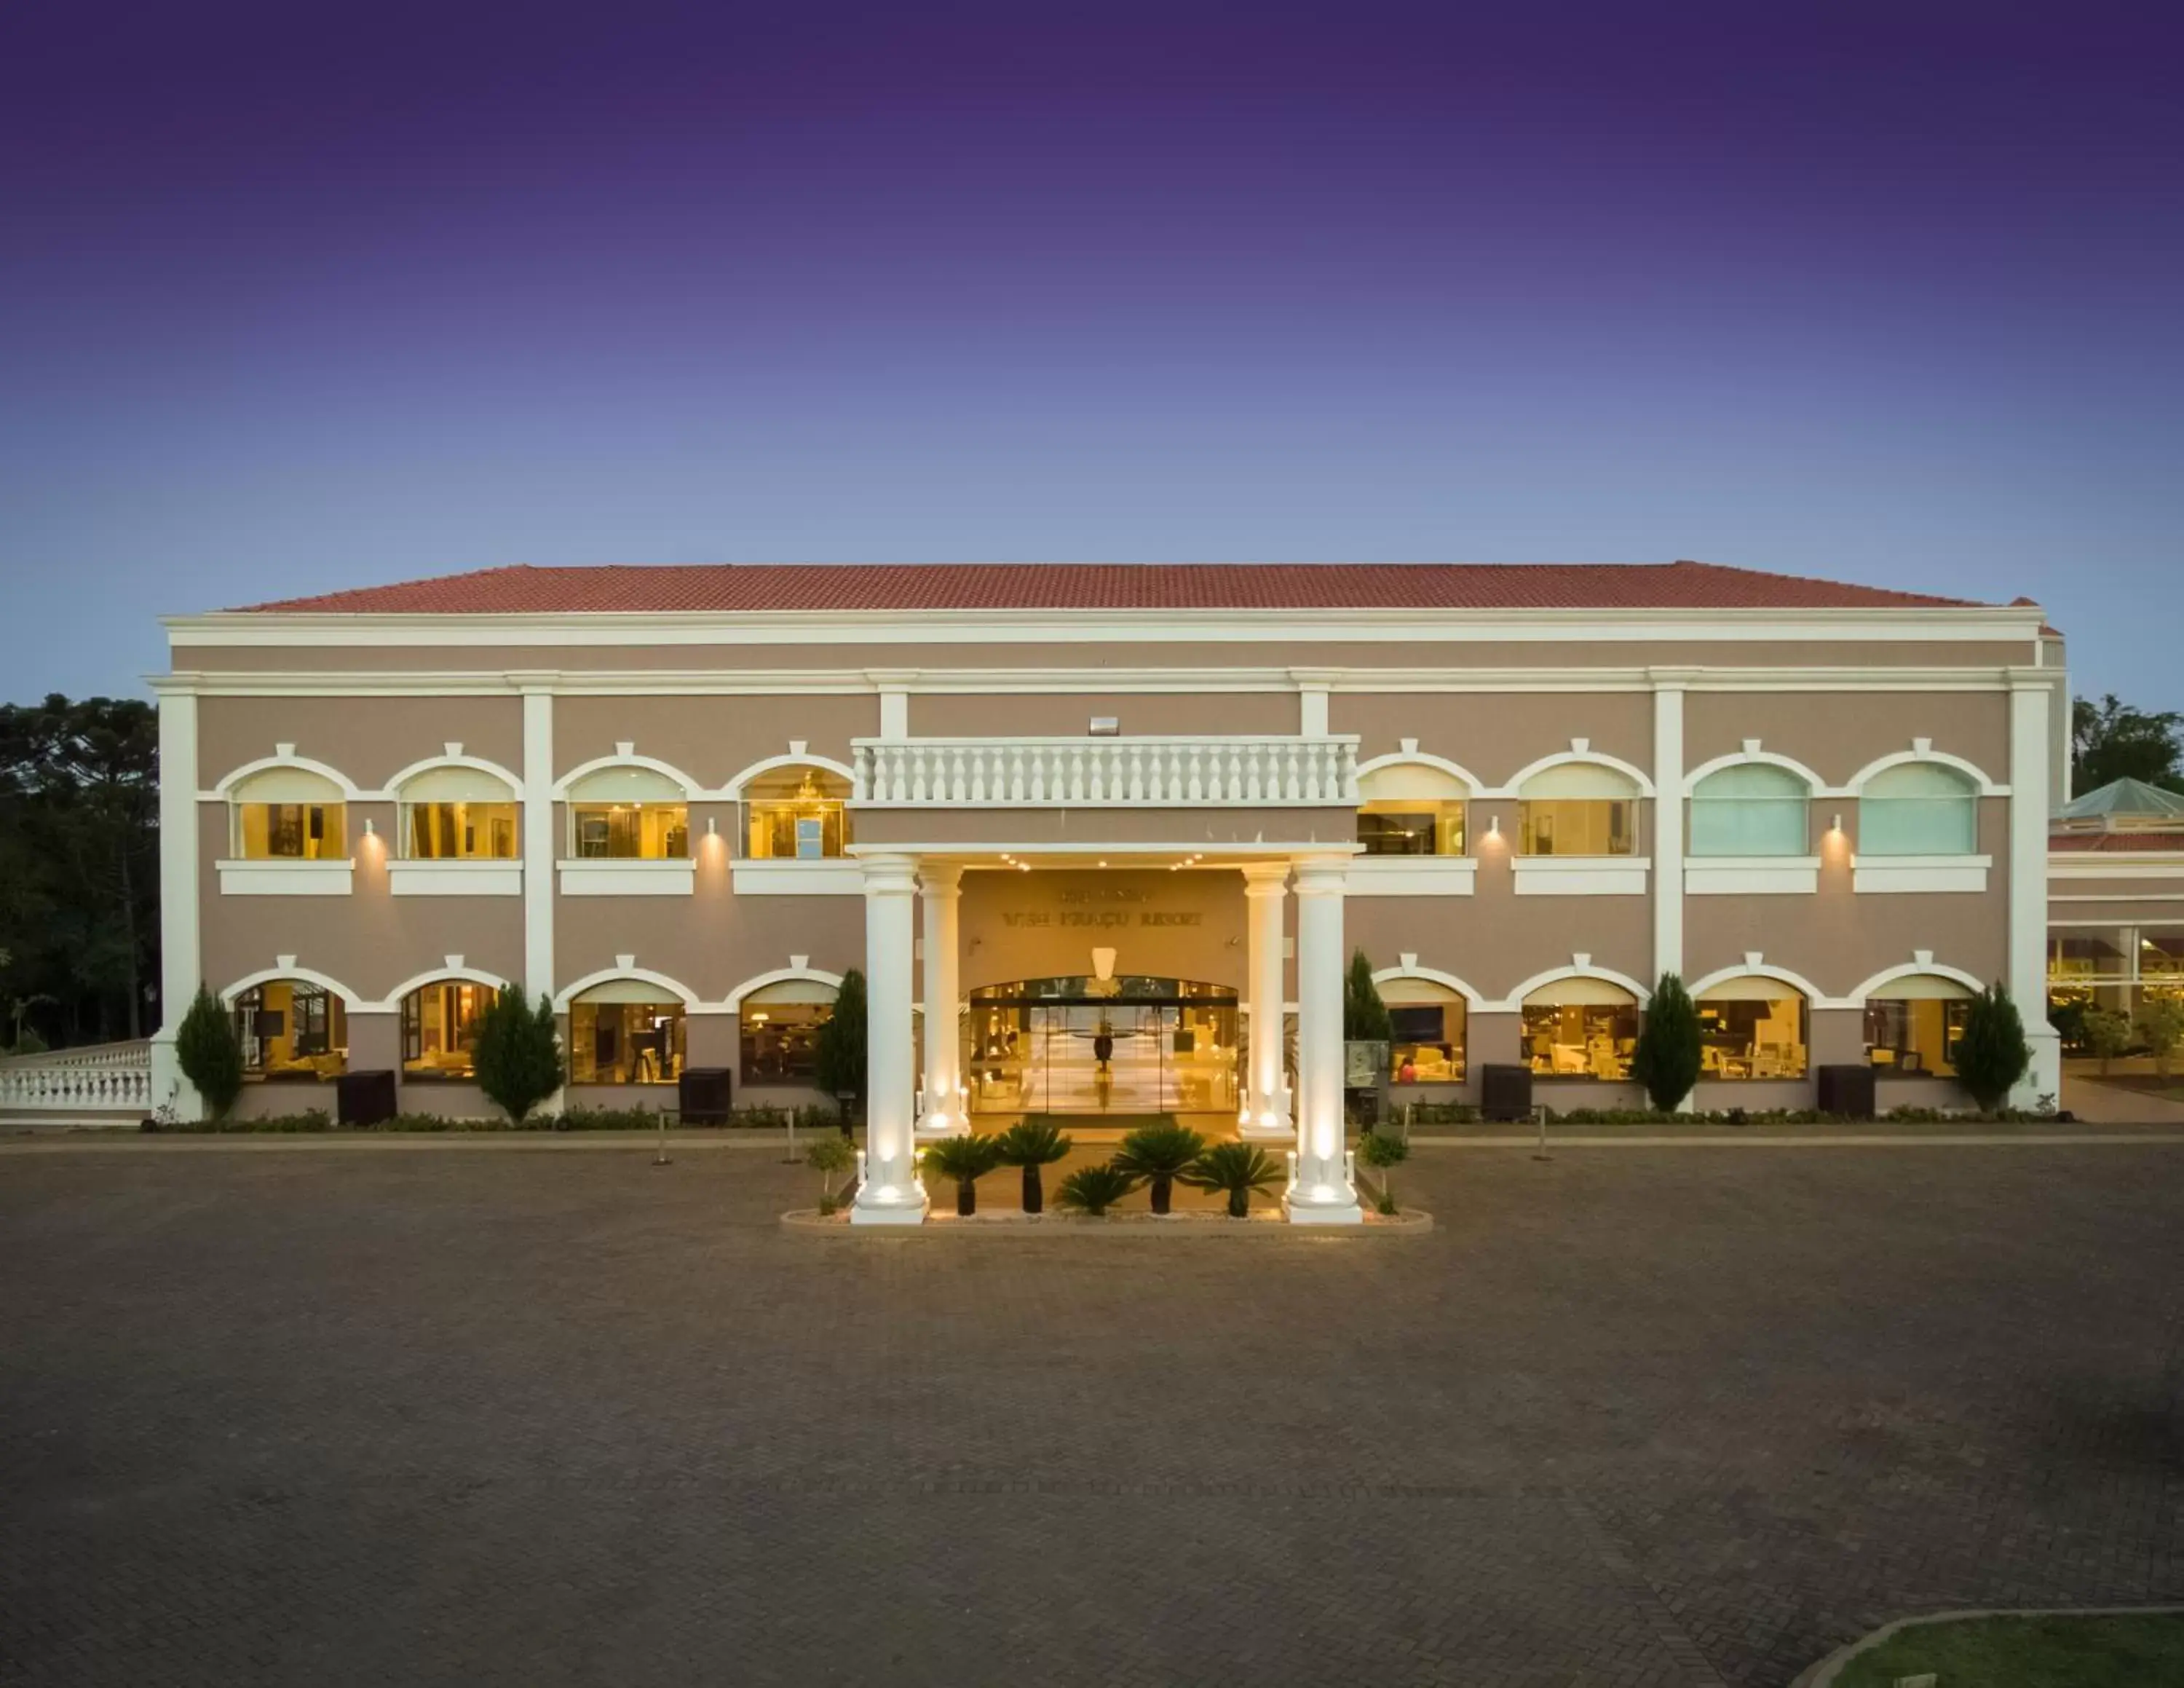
1121	1055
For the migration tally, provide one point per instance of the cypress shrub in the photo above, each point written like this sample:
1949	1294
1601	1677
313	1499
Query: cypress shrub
1992	1054
209	1053
519	1053
1667	1059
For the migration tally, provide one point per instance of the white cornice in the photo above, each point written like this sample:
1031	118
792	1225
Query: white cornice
1422	626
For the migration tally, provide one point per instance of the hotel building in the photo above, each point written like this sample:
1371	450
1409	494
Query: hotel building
1105	838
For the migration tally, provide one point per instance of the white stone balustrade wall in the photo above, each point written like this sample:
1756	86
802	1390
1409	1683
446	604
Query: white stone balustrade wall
113	1078
1111	773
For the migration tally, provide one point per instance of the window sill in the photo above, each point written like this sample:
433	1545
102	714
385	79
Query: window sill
455	877
610	877
276	878
1752	875
1412	875
1903	874
789	876
1582	875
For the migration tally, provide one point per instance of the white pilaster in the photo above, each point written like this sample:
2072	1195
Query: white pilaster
890	1193
945	1106
1668	828
1323	1194
2029	790
1265	1107
182	965
539	843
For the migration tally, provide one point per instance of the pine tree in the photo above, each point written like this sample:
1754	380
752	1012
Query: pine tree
209	1053
1992	1055
519	1053
1364	1015
1667	1059
837	1052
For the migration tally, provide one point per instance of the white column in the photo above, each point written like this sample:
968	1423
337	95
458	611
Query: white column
540	845
1265	1112
1323	1194
890	1193
1668	845
946	1109
180	954
2029	699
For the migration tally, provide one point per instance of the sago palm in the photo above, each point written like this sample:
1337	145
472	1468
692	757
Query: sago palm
1238	1169
1096	1188
1032	1144
1158	1153
965	1160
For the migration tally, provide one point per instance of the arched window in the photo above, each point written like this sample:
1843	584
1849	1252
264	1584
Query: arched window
1913	1027
453	813
629	813
1411	808
1918	809
1752	1026
1750	808
626	1032
780	1029
1581	1028
1579	808
796	814
1428	1021
293	1031
440	1026
289	815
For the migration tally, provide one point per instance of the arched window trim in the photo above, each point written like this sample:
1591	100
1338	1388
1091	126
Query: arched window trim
693	790
1751	967
1581	967
454	972
783	976
1922	966
733	790
284	971
626	967
1751	756
454	759
1432	975
285	756
1580	751
1473	785
1922	750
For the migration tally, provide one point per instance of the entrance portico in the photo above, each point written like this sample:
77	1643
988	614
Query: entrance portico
1056	979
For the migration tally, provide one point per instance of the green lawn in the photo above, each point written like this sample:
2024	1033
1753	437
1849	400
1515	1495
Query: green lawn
2135	1652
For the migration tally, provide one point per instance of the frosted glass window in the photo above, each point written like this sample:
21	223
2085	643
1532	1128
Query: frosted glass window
1754	809
1918	809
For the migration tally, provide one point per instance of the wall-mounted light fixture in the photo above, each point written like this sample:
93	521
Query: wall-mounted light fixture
1837	827
371	827
1105	727
712	826
1494	826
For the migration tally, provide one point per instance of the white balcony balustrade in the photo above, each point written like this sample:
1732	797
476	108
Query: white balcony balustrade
1229	771
108	1079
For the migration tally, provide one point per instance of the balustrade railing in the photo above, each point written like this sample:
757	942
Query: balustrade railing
105	1078
1107	773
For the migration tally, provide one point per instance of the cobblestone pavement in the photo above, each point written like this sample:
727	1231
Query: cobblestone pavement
1633	1418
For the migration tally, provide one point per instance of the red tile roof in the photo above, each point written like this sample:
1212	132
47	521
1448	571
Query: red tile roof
755	588
2120	843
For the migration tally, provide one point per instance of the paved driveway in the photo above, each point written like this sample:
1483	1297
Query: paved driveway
1627	1418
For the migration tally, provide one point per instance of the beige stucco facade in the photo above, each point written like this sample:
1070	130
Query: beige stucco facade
1285	711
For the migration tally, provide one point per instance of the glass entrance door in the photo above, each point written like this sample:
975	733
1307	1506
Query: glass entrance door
1104	1059
1042	1047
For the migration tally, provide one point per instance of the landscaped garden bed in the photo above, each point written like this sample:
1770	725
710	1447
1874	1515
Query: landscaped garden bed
2055	1650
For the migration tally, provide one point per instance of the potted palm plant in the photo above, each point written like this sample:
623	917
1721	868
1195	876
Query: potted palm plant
1032	1144
965	1160
1159	1153
1096	1188
1238	1169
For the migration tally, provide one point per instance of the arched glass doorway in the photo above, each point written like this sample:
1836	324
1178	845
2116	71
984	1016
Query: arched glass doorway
1087	1045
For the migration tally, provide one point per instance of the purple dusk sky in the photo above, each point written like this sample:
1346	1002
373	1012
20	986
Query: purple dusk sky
299	297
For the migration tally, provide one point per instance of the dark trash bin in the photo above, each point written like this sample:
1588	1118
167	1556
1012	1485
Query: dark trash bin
1505	1091
702	1094
1846	1091
364	1098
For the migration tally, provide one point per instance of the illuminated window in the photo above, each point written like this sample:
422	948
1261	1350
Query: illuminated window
1581	1028
780	1028
1427	1023
289	815
1752	1028
628	814
1918	809
440	1026
1411	809
291	1031
458	814
1750	810
1578	808
797	813
621	1032
1914	1030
